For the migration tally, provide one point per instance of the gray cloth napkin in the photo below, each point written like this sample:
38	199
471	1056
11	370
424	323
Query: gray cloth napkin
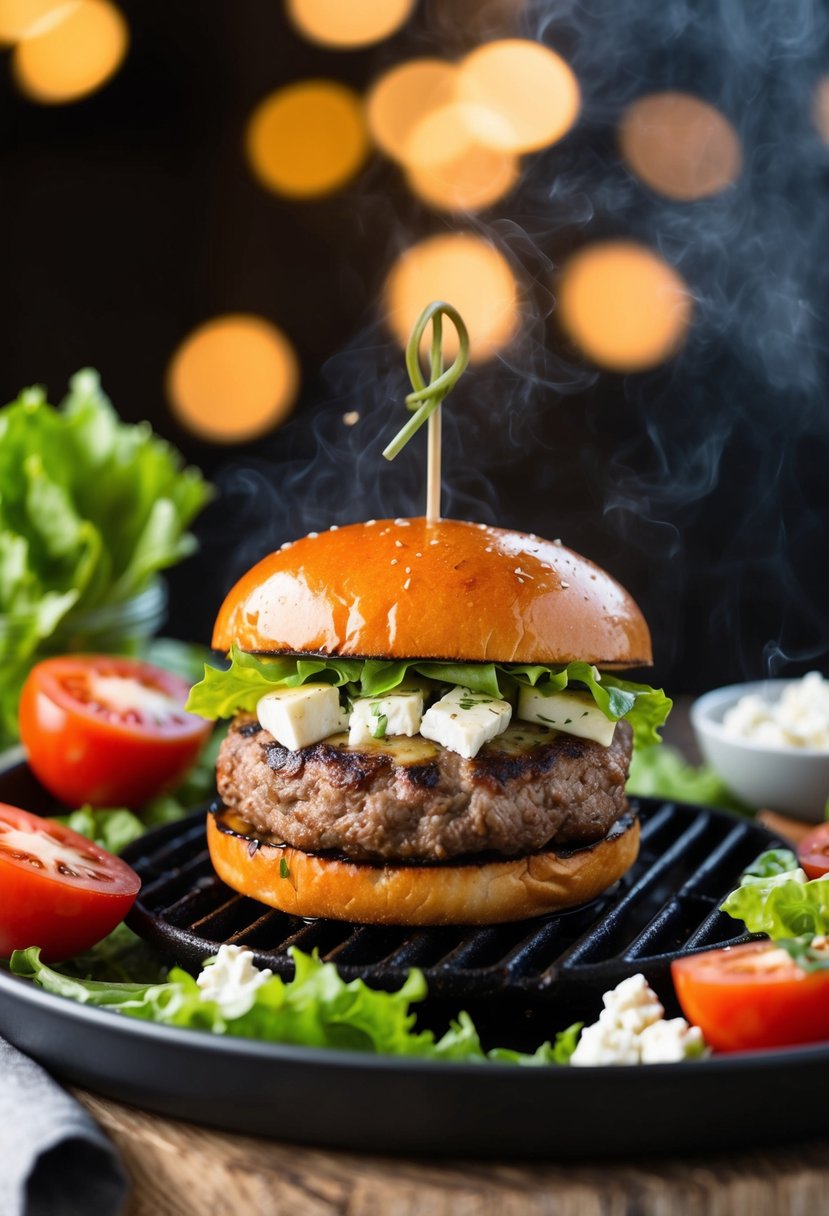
54	1159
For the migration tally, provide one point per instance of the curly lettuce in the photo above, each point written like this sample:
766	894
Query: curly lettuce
91	509
222	693
317	1008
775	897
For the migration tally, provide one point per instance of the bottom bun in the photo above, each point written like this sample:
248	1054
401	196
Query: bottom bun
472	893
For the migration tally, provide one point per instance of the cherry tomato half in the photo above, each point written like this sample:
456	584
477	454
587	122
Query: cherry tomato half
58	890
813	852
752	996
108	731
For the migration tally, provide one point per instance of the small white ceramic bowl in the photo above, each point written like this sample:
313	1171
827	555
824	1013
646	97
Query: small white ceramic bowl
791	780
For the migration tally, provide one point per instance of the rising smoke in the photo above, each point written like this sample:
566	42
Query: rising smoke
702	484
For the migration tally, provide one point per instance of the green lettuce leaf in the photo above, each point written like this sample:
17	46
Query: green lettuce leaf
770	864
91	509
111	828
317	1008
222	693
663	772
787	909
775	898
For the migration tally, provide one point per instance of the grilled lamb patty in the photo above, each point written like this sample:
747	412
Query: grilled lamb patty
413	800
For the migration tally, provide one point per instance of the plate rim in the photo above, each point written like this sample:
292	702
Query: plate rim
27	991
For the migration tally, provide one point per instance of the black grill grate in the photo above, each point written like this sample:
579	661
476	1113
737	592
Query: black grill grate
668	903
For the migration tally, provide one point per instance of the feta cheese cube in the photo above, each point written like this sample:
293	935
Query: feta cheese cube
298	717
463	721
394	713
575	713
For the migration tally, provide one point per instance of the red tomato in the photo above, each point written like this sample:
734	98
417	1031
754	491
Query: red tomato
750	996
58	890
108	731
813	852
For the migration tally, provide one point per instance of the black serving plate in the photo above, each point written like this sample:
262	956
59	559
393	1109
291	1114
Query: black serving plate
383	1104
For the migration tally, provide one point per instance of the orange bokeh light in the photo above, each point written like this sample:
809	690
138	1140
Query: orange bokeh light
469	273
307	139
415	117
20	18
680	146
71	51
473	178
624	306
348	23
400	100
233	378
531	94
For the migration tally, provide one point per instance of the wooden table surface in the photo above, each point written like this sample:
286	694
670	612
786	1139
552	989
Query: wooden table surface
179	1168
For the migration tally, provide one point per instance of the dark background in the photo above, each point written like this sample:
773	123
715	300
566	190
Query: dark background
130	217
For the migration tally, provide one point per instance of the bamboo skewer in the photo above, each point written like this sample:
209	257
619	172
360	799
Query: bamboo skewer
425	399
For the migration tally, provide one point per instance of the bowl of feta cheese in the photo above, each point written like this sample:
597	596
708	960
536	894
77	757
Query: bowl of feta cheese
769	742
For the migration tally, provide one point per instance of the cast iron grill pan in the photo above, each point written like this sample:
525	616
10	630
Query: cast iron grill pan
355	1101
668	904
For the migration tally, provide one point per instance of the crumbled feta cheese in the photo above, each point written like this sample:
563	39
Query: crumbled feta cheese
670	1040
632	1029
231	979
632	1005
800	718
395	713
463	721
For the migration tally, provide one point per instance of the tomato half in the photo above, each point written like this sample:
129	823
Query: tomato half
58	890
752	996
813	852
108	731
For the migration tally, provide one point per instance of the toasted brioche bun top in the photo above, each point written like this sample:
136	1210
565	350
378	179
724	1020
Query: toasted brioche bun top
411	588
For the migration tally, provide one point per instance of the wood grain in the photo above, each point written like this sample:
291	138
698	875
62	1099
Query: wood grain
178	1169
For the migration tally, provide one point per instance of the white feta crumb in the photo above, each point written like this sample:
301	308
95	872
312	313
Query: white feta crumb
670	1040
799	719
632	1029
632	1005
231	980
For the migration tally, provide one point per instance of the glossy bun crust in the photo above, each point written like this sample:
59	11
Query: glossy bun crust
477	893
410	588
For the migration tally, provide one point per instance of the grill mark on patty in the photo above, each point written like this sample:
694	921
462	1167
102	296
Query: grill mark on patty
371	807
496	769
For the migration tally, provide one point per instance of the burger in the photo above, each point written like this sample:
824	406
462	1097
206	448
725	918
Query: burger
429	725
